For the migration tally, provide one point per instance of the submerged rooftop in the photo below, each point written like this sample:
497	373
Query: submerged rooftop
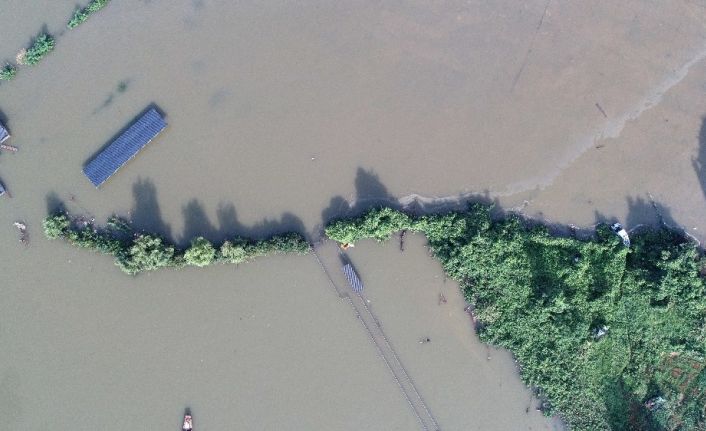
4	134
125	147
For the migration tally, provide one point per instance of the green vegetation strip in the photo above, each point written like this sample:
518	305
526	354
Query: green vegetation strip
82	14
612	338
135	252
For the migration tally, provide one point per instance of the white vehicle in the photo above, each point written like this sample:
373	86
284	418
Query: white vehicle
621	232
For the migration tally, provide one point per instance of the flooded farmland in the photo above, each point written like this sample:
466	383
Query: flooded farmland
285	115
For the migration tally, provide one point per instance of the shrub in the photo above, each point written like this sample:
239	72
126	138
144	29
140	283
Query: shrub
233	251
289	243
82	14
377	223
8	72
56	226
201	253
41	46
145	253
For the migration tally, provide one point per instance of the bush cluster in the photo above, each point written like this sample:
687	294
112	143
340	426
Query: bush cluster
136	252
82	14
42	45
8	72
612	337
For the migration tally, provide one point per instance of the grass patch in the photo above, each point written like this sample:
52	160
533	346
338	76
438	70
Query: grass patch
82	14
135	252
42	45
613	338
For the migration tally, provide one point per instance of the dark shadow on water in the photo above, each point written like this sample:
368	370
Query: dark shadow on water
54	203
370	189
699	163
647	212
370	193
146	215
599	217
197	223
643	212
120	88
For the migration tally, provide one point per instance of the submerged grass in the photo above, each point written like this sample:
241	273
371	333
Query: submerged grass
136	252
82	14
613	338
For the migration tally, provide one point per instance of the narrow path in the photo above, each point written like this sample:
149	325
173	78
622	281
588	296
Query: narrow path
387	353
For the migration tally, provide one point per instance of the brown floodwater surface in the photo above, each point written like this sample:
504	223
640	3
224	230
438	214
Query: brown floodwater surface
281	115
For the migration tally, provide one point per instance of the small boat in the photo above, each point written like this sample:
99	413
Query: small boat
2	189
619	230
188	425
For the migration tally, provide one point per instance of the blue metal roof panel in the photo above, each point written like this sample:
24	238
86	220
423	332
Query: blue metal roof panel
352	278
125	147
4	134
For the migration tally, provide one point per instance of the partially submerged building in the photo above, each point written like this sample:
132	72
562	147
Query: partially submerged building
4	134
125	147
353	278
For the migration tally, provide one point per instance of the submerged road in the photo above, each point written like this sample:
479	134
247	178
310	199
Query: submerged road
374	329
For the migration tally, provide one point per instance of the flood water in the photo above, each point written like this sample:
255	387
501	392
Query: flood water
282	115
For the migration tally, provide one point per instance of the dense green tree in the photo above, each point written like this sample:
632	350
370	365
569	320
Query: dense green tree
201	253
234	251
56	226
145	253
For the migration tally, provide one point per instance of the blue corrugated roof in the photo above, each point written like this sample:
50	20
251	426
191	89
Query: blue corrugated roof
4	134
139	134
352	278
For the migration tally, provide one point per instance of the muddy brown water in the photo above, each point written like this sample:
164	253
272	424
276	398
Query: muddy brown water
280	115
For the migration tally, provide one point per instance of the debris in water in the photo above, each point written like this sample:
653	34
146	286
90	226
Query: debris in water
8	148
442	299
403	233
24	236
601	109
